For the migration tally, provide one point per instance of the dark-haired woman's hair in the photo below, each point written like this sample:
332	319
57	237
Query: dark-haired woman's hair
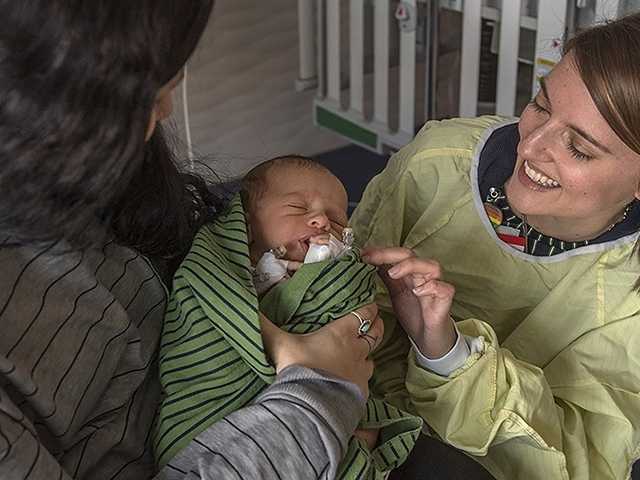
78	81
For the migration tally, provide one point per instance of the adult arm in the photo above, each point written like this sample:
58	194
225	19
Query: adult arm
578	417
80	330
22	455
298	428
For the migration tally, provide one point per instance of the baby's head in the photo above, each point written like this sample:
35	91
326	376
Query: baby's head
288	200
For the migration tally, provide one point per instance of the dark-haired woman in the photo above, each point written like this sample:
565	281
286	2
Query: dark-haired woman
535	224
94	217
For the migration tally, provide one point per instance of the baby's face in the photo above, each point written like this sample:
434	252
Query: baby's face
297	203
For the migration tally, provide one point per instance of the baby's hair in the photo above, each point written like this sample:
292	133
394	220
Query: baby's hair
254	183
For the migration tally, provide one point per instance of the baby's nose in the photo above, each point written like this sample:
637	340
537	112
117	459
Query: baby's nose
320	221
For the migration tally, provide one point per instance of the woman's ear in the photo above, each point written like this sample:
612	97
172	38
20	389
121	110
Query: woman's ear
162	107
151	127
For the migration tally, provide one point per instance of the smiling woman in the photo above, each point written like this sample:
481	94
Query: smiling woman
568	159
535	225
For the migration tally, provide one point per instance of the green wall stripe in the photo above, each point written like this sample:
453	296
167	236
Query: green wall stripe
345	127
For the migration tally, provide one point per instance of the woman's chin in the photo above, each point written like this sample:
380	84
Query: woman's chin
527	199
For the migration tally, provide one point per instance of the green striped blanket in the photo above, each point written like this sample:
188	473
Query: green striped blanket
212	359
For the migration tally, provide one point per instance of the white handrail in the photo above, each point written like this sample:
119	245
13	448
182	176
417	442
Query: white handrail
356	61
408	76
307	70
354	122
551	31
381	61
470	62
333	50
508	58
606	10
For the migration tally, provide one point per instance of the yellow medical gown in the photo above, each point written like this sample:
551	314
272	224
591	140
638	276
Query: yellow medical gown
554	393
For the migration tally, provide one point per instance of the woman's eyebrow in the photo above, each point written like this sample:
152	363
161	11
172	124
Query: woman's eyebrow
589	138
578	130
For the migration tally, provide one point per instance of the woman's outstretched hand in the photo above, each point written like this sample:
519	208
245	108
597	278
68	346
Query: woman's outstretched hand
420	299
335	348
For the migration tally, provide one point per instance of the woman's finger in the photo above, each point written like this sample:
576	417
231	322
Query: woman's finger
377	331
368	329
366	312
386	256
418	279
413	266
372	337
436	289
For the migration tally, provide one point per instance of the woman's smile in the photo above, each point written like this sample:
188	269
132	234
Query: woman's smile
539	177
535	180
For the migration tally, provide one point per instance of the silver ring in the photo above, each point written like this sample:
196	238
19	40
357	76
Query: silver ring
365	325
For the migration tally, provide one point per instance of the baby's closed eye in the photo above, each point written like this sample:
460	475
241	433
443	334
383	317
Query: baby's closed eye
298	207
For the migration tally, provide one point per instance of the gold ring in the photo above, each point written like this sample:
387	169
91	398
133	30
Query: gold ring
365	325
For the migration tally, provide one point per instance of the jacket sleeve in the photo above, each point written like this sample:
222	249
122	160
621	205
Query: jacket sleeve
75	357
22	456
297	428
579	417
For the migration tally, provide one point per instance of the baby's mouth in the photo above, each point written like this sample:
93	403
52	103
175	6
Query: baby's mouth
305	243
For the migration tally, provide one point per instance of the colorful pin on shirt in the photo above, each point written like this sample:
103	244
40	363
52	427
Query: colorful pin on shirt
512	237
494	213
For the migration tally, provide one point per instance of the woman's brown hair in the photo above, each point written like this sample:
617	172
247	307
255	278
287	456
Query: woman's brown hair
608	59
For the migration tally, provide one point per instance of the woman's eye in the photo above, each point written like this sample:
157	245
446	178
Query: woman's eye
577	154
537	107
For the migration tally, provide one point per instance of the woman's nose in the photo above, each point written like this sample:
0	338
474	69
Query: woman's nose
535	142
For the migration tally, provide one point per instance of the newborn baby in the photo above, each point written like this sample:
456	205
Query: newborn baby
292	210
296	213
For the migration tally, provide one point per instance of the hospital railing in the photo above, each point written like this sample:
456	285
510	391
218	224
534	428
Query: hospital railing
375	63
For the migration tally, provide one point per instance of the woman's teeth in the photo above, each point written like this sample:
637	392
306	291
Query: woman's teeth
539	178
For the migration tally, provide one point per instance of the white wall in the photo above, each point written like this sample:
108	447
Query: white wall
243	104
